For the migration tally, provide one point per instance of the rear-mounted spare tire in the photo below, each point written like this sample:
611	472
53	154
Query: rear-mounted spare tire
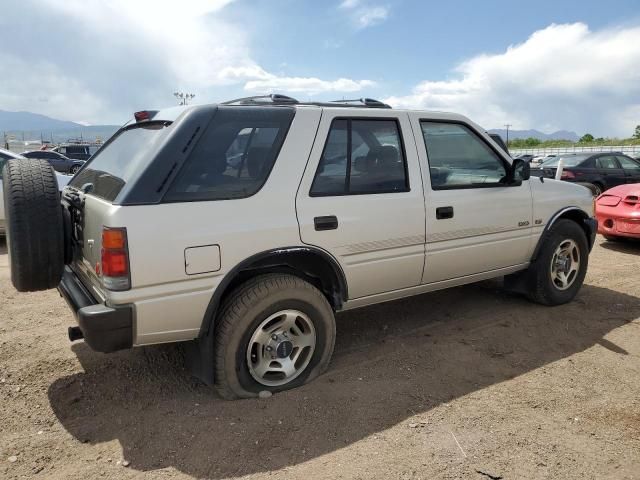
34	225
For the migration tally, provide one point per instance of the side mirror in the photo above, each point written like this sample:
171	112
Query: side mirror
520	171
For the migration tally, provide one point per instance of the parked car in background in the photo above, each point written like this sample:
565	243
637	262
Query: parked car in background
76	151
526	157
618	212
540	159
603	170
58	161
7	155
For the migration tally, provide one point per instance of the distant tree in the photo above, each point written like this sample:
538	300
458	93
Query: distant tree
637	132
532	142
586	138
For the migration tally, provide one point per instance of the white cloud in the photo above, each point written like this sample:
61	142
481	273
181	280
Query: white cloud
104	59
561	77
310	86
363	13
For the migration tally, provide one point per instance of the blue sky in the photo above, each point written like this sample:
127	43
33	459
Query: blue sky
546	65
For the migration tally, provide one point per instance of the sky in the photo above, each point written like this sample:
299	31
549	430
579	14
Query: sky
548	65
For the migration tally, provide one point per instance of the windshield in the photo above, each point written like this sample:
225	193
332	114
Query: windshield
568	161
124	157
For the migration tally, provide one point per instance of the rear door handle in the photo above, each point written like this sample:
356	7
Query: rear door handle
328	222
444	212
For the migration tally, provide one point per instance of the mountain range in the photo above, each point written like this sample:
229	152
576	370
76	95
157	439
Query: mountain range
33	126
559	135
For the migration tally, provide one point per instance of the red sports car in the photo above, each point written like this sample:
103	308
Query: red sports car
618	212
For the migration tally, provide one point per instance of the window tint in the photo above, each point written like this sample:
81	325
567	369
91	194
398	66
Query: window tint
360	157
234	156
607	162
458	158
628	163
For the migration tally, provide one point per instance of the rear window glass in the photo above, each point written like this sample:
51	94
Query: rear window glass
234	156
120	160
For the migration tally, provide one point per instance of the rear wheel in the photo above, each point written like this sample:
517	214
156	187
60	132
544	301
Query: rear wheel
274	333
74	169
34	225
558	273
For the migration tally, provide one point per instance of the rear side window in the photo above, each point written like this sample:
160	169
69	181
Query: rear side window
607	162
458	158
235	155
361	156
122	159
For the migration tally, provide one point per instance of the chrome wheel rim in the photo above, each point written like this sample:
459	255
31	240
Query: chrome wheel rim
281	348
565	264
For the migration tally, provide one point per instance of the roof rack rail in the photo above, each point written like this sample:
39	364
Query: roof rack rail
367	102
275	98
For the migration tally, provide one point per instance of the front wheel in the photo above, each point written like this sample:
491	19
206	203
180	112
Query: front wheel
275	332
558	272
74	169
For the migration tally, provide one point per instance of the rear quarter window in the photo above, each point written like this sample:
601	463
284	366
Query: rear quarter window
234	156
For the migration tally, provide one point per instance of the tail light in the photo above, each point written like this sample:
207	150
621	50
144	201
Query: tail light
115	259
567	175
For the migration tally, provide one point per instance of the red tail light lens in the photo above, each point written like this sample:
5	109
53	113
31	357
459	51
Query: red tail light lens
115	259
567	174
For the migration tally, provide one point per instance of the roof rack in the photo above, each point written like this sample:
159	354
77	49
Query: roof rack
367	102
274	98
277	99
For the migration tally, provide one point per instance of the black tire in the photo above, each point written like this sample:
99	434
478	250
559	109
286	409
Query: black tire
541	288
241	314
34	225
74	169
597	189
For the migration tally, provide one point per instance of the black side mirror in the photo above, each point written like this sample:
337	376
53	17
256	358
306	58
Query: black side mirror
520	171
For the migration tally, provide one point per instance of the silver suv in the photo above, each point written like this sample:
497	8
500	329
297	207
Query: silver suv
241	228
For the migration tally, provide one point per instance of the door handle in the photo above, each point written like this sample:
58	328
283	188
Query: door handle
444	212
328	222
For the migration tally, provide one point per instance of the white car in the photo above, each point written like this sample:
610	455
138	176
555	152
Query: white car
8	155
242	228
540	159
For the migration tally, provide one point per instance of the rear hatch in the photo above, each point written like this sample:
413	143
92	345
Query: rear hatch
92	195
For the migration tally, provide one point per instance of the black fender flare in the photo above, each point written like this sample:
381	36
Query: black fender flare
274	258
588	224
200	354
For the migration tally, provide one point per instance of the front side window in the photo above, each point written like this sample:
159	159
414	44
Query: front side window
460	159
628	164
235	155
361	156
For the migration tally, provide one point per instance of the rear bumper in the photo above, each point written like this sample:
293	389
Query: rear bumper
105	329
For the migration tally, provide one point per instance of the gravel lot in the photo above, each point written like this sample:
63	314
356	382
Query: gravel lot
467	383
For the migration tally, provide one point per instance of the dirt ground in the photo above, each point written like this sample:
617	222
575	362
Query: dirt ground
467	383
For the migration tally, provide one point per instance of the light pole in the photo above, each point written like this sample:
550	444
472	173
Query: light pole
507	125
183	97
